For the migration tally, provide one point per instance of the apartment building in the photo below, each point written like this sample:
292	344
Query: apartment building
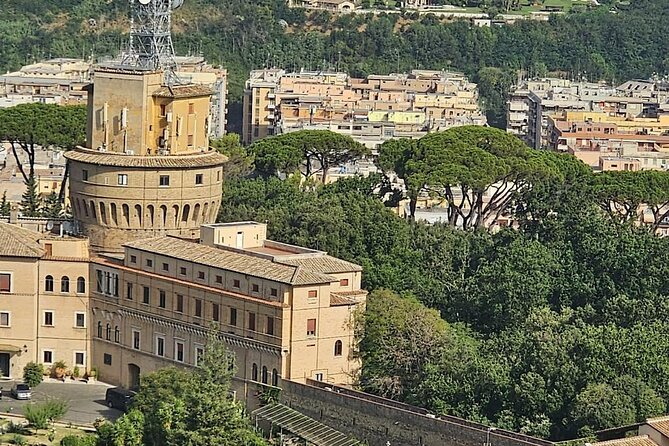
534	101
370	110
285	311
44	308
610	142
54	81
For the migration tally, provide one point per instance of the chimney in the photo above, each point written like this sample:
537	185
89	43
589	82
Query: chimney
14	214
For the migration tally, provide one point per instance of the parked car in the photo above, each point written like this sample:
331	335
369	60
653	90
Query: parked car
119	398
21	391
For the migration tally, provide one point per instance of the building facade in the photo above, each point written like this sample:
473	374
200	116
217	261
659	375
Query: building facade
285	311
44	305
370	110
147	169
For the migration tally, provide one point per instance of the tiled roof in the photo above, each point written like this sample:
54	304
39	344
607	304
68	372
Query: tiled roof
323	264
210	158
183	91
338	298
19	242
660	424
228	260
641	440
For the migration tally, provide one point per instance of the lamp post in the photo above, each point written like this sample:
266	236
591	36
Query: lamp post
487	437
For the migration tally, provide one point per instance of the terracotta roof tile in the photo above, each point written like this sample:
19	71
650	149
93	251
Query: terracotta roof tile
660	424
346	297
16	241
204	159
183	91
323	264
229	260
641	440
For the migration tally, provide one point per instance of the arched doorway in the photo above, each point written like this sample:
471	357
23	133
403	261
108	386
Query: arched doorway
133	376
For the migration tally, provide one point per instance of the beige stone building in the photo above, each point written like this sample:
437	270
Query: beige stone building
147	169
285	311
44	307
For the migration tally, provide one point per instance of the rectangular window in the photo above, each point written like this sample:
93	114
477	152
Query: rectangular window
107	359
235	283
163	110
311	327
200	275
48	247
199	353
319	377
252	321
191	140
149	263
215	312
128	291
146	298
180	303
136	338
99	282
179	351
160	346
313	294
84	175
133	259
233	317
164	180
182	270
255	288
4	319
80	320
199	178
343	282
162	299
219	279
274	292
48	318
5	283
191	108
270	325
47	356
166	267
122	179
79	358
198	308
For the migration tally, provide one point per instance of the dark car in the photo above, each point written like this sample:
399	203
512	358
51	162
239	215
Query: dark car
119	398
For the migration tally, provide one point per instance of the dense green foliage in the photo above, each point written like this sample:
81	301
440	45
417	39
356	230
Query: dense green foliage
245	35
555	328
32	373
185	407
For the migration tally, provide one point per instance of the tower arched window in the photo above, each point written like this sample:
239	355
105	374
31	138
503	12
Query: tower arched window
275	378
48	283
125	209
254	372
186	212
93	210
114	214
64	284
138	214
103	213
264	375
151	212
163	215
196	213
108	332
99	329
117	334
81	285
338	348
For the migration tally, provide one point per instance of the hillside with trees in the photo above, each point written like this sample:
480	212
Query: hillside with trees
629	42
555	328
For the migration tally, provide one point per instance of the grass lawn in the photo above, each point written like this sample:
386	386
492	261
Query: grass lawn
39	438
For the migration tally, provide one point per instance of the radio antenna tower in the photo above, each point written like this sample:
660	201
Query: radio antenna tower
151	45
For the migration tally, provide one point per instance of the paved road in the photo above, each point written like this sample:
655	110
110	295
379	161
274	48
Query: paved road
87	401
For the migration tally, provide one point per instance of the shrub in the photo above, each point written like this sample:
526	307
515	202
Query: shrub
32	374
19	439
16	428
73	440
40	415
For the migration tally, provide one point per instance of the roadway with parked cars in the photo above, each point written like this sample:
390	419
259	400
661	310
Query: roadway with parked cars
88	402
